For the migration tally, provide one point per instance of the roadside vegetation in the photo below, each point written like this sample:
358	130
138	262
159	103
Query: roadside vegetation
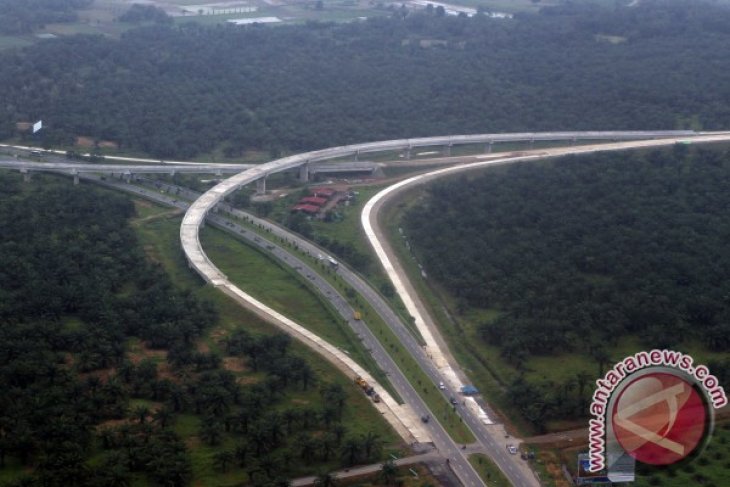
595	257
665	205
285	291
131	379
242	263
488	471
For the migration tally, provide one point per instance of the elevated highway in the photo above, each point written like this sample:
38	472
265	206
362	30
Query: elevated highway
128	170
197	258
442	364
79	168
198	210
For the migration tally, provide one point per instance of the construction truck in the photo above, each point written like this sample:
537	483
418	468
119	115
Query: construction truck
367	388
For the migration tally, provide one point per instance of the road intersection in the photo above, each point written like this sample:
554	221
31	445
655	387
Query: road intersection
434	359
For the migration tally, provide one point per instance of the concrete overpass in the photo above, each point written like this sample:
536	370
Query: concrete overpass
196	214
306	171
125	170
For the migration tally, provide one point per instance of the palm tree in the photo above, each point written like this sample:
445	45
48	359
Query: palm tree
289	416
306	376
371	444
339	432
335	395
140	413
222	458
274	428
210	431
93	383
162	416
350	451
327	445
260	439
240	453
306	447
388	473
325	479
107	436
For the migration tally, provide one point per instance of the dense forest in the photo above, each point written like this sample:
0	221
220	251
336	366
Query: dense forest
179	91
78	409
579	253
24	16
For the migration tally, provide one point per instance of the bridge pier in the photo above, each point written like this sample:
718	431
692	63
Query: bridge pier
532	143
488	147
304	172
408	152
127	177
357	155
76	179
261	185
448	149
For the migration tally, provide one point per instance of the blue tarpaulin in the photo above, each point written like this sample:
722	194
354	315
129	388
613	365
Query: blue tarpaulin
469	390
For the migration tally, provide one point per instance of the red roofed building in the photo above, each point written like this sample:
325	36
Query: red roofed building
313	200
311	209
323	192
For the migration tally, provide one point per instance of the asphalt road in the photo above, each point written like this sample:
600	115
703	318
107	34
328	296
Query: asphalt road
441	440
493	447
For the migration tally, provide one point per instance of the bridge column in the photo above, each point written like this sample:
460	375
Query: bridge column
26	175
261	185
488	147
304	172
127	177
532	143
408	152
76	178
357	155
448	149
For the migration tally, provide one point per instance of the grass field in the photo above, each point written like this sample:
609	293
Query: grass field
277	286
507	6
488	471
415	375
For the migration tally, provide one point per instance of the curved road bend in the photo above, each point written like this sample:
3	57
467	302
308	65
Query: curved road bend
434	431
199	260
425	323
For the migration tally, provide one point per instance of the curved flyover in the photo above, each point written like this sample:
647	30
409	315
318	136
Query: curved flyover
400	417
198	210
395	272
